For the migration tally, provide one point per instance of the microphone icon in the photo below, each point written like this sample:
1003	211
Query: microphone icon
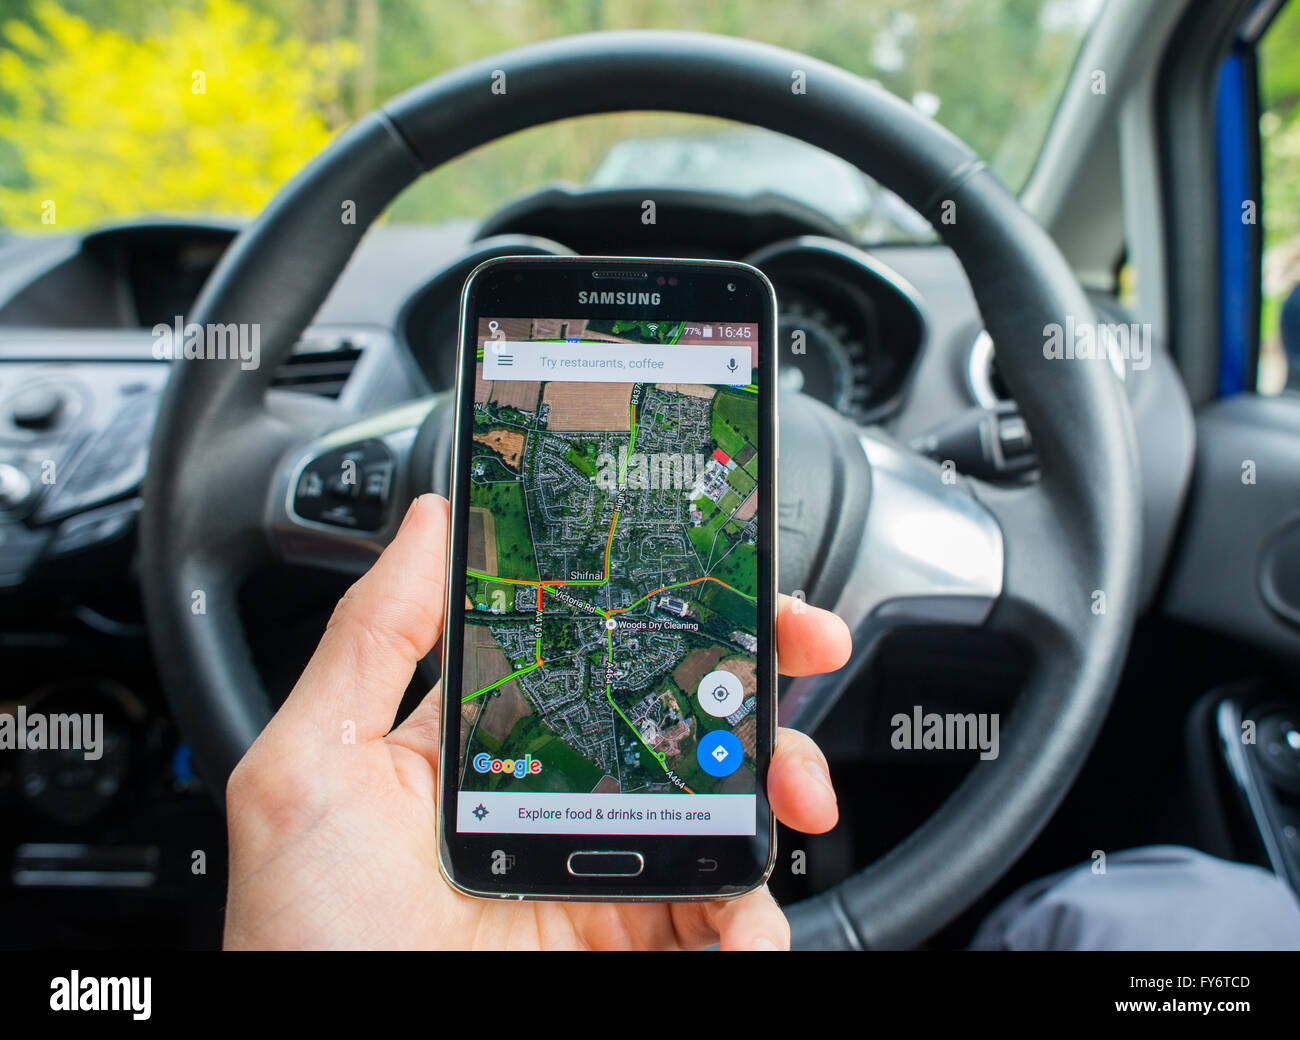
731	364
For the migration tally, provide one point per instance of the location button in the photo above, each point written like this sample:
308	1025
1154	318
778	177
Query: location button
720	693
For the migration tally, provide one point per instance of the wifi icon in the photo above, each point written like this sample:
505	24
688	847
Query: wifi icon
653	327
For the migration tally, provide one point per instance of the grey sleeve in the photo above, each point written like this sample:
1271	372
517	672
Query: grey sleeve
1162	897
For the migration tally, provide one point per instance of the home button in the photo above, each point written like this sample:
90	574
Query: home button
606	864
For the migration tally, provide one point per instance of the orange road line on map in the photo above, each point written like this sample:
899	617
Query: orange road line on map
608	542
678	585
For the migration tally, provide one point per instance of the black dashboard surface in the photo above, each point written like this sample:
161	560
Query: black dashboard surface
124	276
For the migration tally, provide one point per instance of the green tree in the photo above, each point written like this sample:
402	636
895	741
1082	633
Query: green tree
211	112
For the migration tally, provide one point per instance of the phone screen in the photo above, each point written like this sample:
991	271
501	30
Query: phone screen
610	674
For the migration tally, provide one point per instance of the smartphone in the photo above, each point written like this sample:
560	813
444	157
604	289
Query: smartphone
609	670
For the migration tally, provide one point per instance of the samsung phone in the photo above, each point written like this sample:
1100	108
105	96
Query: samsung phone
609	672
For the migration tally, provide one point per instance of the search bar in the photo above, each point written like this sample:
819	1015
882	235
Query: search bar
603	362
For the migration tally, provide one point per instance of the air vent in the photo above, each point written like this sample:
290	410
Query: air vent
319	365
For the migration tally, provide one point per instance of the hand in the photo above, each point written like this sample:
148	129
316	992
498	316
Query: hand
333	841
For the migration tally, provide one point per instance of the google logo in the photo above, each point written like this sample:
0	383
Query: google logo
518	767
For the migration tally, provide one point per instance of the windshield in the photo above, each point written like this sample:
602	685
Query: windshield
111	111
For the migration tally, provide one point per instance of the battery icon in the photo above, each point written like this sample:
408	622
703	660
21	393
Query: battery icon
707	332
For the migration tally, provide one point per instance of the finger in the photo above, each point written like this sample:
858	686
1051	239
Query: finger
809	640
799	785
750	922
380	629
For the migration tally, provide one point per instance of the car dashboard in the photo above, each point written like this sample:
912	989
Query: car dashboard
890	336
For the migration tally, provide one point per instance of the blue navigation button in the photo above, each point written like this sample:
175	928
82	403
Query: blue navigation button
719	753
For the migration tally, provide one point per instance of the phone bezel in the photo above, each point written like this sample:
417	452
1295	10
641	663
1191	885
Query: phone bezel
546	286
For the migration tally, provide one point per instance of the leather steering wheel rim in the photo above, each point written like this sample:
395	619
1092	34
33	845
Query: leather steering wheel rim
216	441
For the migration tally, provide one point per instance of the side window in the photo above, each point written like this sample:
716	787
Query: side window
1278	56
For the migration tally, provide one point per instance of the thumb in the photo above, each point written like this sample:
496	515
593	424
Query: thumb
382	627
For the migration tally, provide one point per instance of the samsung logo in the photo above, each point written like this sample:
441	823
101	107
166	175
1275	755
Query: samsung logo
623	298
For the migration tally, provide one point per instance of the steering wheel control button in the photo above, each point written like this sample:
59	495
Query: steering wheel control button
378	481
720	694
346	483
719	753
606	864
348	487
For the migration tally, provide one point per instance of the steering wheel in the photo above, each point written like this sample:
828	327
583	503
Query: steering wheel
873	531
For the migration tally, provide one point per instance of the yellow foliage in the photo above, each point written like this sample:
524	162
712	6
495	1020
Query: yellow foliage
210	115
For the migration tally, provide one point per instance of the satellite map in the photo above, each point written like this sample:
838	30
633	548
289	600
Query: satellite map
611	629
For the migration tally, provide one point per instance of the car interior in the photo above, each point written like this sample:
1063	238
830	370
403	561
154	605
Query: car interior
1104	555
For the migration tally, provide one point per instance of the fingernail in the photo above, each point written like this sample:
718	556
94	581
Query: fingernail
410	511
818	773
764	943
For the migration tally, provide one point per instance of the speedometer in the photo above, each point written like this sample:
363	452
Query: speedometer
819	357
849	329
